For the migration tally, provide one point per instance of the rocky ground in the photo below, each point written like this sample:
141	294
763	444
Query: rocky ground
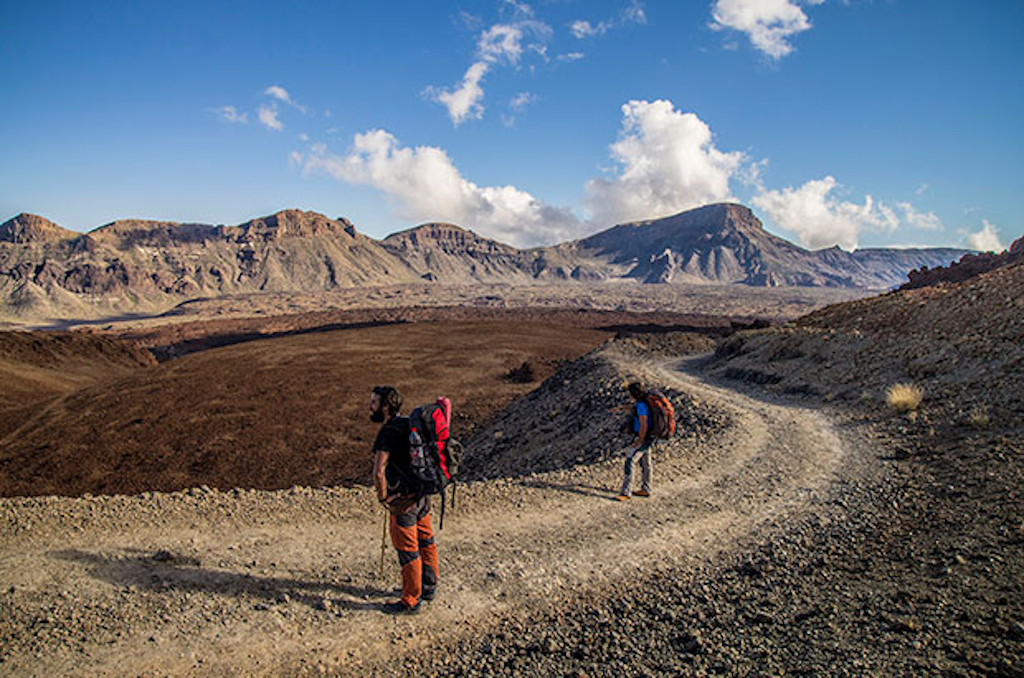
799	525
285	582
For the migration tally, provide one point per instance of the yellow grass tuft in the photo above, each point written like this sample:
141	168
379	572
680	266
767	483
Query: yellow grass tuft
978	417
903	397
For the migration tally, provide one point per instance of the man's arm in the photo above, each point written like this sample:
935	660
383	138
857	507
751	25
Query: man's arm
380	483
641	435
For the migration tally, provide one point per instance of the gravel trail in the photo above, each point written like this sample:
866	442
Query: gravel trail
250	582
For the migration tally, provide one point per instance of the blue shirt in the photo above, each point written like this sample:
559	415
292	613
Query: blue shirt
641	410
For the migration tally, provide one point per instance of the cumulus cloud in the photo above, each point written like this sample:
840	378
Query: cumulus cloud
928	221
987	239
423	184
231	114
268	116
823	220
500	44
666	163
767	23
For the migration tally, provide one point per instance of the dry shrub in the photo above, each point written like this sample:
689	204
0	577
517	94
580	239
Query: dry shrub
978	417
903	397
521	375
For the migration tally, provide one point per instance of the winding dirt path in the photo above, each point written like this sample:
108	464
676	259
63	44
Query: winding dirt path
286	582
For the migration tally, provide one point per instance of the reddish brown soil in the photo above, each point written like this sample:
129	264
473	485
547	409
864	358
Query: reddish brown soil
39	365
281	411
172	340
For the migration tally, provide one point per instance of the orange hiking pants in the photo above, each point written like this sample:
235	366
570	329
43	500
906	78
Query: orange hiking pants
417	553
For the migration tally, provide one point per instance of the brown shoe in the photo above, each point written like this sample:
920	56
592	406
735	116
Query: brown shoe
622	497
641	493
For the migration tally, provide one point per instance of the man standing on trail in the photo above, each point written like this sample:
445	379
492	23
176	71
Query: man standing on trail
411	532
641	445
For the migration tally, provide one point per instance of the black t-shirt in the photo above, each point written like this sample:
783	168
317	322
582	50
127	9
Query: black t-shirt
393	438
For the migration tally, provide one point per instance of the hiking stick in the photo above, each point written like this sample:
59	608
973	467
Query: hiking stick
383	543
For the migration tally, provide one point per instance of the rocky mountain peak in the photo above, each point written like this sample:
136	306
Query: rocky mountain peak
31	228
442	236
297	223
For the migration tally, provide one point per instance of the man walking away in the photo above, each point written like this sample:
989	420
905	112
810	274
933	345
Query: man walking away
411	532
641	445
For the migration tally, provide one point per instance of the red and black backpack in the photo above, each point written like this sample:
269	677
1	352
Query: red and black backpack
434	456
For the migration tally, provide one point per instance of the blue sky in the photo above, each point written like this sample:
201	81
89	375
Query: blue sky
858	123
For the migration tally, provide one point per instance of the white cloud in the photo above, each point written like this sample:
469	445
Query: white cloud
768	23
667	163
522	100
281	94
463	103
571	56
987	239
582	29
231	114
928	221
635	13
268	116
821	220
278	92
303	137
501	44
424	185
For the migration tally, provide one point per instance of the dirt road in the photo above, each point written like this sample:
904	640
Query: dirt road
286	582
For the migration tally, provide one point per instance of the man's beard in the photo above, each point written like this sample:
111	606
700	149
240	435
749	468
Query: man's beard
377	416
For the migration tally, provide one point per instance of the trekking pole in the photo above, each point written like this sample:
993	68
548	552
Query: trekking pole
383	542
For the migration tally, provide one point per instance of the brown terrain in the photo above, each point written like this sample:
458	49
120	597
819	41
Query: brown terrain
49	274
799	524
282	411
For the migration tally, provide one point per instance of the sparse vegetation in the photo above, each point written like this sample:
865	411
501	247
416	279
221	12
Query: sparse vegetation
904	397
978	417
522	374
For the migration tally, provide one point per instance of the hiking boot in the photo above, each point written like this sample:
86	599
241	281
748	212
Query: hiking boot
428	595
641	493
399	607
622	497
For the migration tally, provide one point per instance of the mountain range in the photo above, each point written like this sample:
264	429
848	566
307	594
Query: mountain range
144	266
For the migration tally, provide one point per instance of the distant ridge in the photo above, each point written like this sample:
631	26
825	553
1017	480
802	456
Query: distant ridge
30	228
133	265
969	266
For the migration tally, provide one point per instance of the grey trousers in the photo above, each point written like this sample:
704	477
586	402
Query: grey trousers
644	454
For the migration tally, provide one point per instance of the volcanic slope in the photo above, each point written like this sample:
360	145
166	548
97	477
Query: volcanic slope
263	414
955	543
38	366
726	243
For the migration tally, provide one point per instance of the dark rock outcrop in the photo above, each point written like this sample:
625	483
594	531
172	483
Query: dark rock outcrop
969	266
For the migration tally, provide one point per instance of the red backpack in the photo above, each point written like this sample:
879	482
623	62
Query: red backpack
434	455
663	415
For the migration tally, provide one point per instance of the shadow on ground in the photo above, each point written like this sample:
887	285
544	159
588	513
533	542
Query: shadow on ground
582	490
164	571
